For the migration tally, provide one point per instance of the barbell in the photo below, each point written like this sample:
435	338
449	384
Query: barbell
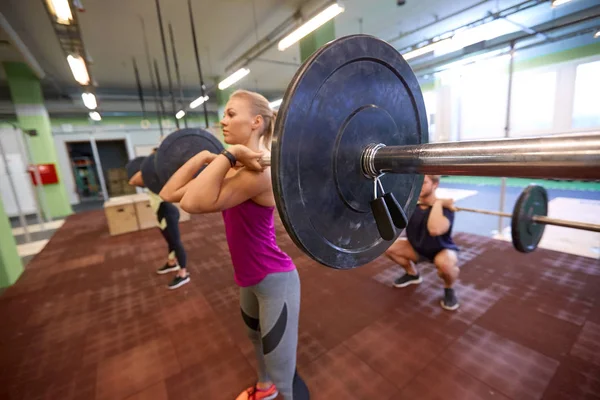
353	113
529	218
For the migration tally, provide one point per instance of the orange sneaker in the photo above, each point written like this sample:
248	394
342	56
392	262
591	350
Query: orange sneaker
254	393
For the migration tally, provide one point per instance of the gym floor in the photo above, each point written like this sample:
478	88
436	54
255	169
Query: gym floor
89	319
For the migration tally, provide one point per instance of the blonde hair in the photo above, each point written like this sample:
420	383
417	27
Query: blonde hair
435	178
260	106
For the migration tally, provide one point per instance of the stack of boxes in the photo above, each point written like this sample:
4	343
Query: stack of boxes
133	213
117	183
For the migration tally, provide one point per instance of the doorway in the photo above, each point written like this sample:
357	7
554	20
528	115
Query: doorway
85	171
113	158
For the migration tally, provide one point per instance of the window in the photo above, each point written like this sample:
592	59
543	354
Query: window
532	103
483	93
586	105
430	99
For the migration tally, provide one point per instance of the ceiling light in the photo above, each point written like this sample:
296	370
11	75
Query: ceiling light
310	25
425	49
233	78
79	69
556	3
95	116
89	100
198	101
61	10
180	114
275	104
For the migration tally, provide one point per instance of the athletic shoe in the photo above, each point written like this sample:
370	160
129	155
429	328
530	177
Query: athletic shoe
167	268
254	393
407	279
179	281
450	301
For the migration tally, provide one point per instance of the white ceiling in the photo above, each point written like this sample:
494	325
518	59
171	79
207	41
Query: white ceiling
112	34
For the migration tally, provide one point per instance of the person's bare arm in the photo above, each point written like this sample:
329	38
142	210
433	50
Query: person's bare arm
438	224
175	188
211	191
136	179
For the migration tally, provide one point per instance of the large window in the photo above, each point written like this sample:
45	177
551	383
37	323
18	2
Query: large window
586	105
430	99
533	97
483	95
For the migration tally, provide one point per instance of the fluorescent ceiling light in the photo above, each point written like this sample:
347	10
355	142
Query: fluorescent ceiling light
198	101
95	116
61	10
310	25
89	100
79	70
425	49
275	104
556	3
233	78
476	34
493	58
180	114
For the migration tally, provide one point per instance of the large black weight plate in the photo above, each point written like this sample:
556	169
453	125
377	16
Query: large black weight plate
134	166
526	234
150	176
352	92
180	146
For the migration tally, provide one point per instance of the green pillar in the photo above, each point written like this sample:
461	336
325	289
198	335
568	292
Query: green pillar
314	40
11	266
27	97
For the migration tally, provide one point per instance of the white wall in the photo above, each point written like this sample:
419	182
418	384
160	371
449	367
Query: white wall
12	143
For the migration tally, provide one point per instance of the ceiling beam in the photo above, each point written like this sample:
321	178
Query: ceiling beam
21	48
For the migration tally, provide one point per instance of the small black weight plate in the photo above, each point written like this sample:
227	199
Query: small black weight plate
134	166
526	234
352	92
150	176
178	147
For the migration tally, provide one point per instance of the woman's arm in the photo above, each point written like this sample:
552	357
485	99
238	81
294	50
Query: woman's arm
211	191
178	184
136	179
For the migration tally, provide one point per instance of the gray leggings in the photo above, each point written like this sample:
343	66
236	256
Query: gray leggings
271	311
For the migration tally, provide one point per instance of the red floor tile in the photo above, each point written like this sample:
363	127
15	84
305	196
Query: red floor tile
442	380
154	392
392	350
134	370
587	346
350	372
508	367
521	322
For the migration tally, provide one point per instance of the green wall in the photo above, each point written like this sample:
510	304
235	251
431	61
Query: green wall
27	97
558	57
11	266
314	40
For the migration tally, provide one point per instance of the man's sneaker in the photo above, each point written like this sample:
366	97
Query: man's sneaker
407	279
254	393
179	281
167	268
450	301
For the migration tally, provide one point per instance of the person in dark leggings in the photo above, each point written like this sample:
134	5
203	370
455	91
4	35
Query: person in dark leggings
167	216
235	184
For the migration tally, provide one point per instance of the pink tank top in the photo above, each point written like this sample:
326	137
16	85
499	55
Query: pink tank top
250	231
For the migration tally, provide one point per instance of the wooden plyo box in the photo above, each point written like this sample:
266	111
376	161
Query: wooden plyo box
120	215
